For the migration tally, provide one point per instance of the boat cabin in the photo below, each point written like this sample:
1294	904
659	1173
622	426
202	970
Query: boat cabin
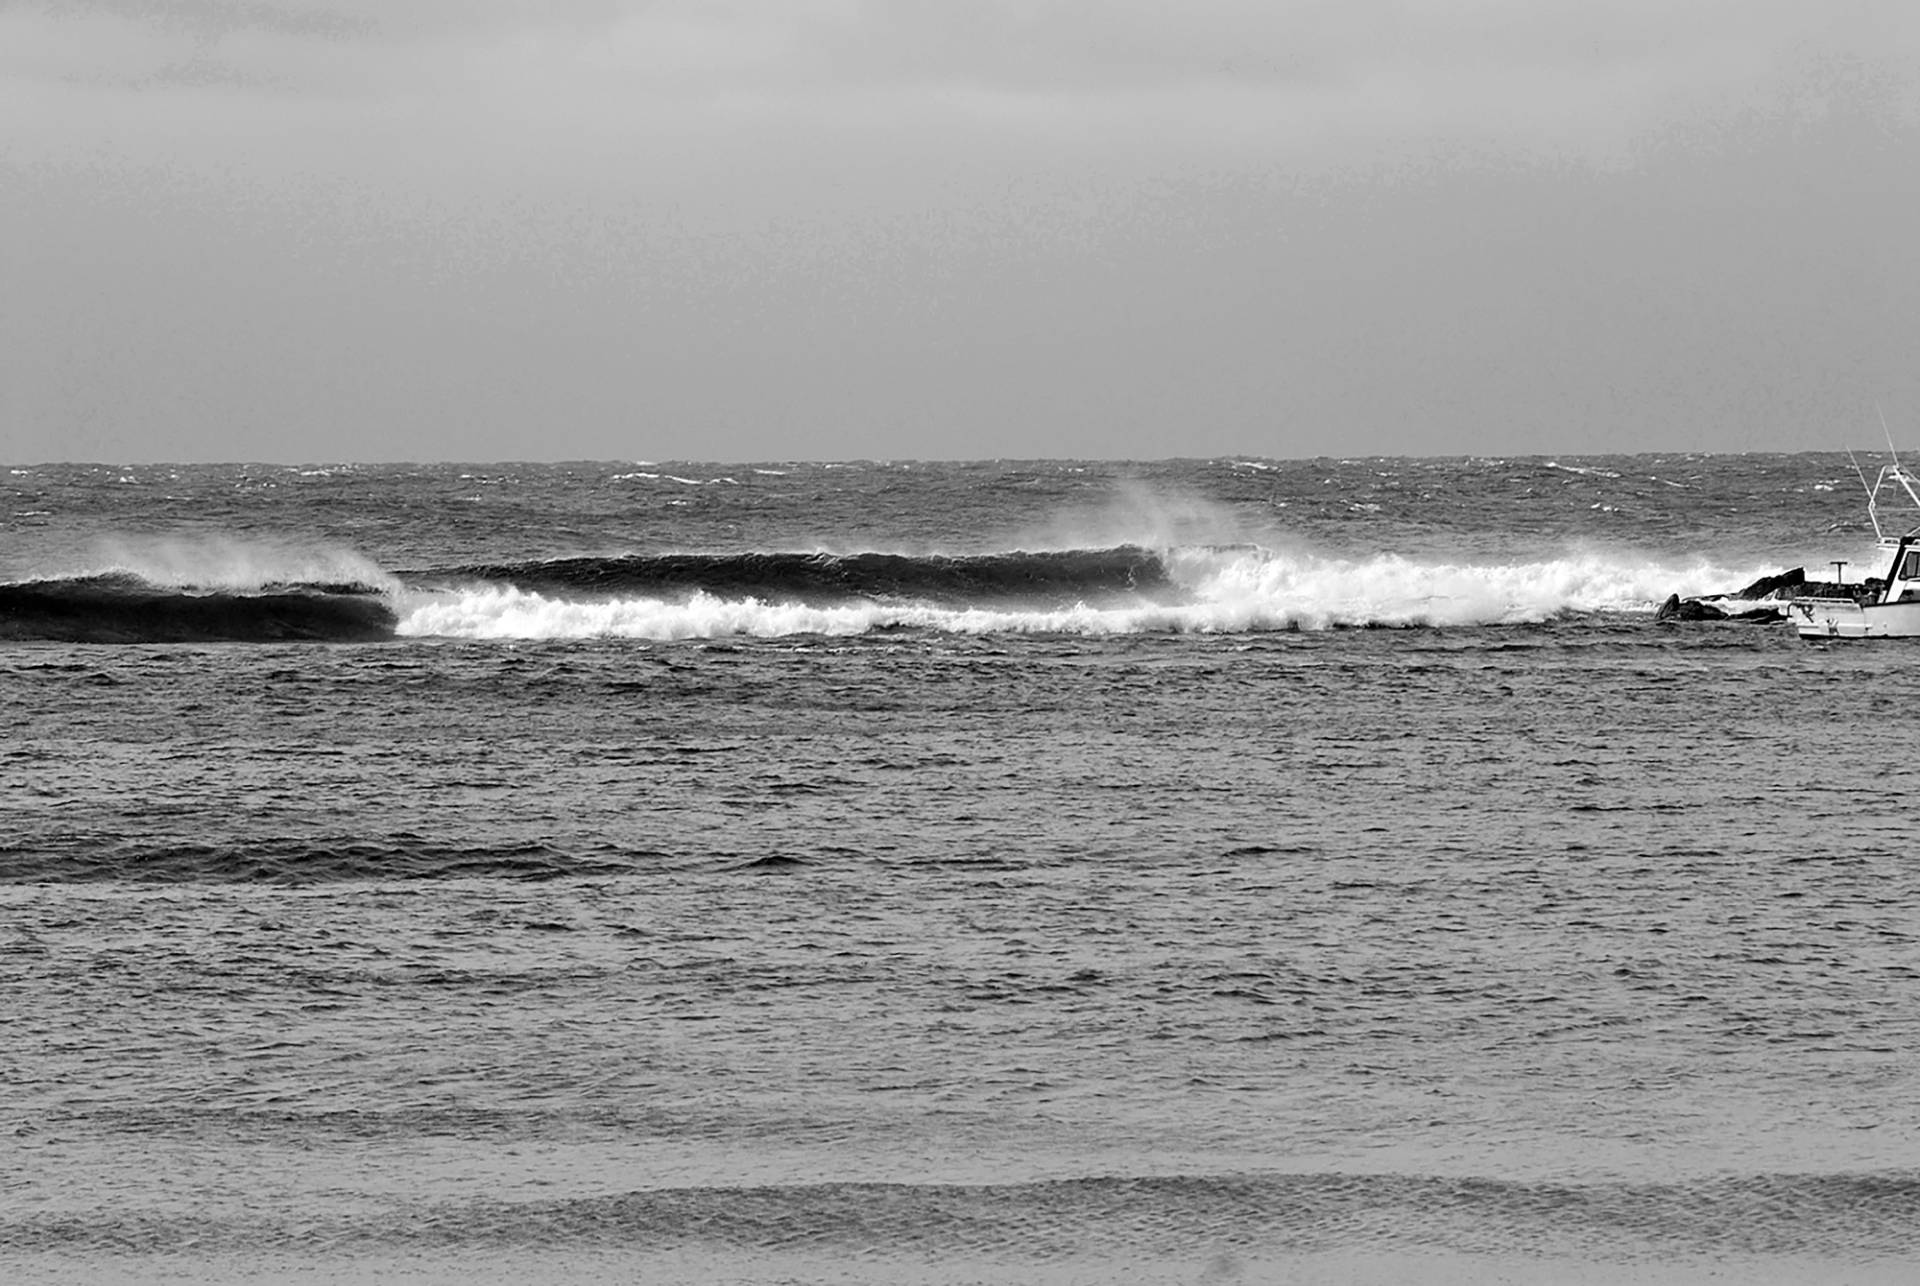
1902	583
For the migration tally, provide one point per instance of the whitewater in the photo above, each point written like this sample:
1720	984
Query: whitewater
1212	592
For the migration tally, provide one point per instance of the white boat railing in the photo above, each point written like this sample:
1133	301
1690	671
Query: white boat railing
1895	473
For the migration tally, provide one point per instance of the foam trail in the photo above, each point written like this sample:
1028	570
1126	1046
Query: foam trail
1317	592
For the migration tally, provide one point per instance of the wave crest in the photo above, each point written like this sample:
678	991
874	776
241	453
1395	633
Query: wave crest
1068	575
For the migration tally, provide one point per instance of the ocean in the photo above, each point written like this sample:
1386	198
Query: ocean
1230	870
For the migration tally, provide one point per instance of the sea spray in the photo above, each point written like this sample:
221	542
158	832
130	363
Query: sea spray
225	562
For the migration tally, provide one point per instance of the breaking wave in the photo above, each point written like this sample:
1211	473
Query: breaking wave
1125	589
119	607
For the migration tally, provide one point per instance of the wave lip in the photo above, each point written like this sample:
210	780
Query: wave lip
815	579
119	607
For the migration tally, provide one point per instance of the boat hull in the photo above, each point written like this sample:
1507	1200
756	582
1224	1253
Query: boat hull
1840	618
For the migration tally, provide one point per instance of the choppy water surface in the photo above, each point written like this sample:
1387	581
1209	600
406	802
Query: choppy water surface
1078	944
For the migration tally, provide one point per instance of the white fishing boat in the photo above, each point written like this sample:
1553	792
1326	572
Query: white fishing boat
1880	607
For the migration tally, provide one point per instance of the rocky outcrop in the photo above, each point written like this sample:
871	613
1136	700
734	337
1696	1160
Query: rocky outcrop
1687	609
1763	600
1782	585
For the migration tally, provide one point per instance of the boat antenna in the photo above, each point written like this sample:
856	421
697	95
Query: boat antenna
1897	472
1861	474
1891	450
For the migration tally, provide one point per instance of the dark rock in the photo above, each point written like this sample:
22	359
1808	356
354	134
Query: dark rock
1789	581
1687	609
1777	588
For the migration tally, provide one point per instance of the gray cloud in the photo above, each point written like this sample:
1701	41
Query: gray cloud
814	227
1501	65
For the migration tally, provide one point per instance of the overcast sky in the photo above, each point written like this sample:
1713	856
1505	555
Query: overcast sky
768	229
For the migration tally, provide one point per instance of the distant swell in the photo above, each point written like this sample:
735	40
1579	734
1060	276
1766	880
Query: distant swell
121	608
1767	1214
1063	576
1833	1218
84	860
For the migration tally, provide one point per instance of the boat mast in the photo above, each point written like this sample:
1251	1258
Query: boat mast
1896	472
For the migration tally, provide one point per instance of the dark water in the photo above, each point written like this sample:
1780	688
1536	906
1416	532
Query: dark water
1208	871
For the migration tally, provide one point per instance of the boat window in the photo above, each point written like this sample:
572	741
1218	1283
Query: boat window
1910	566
